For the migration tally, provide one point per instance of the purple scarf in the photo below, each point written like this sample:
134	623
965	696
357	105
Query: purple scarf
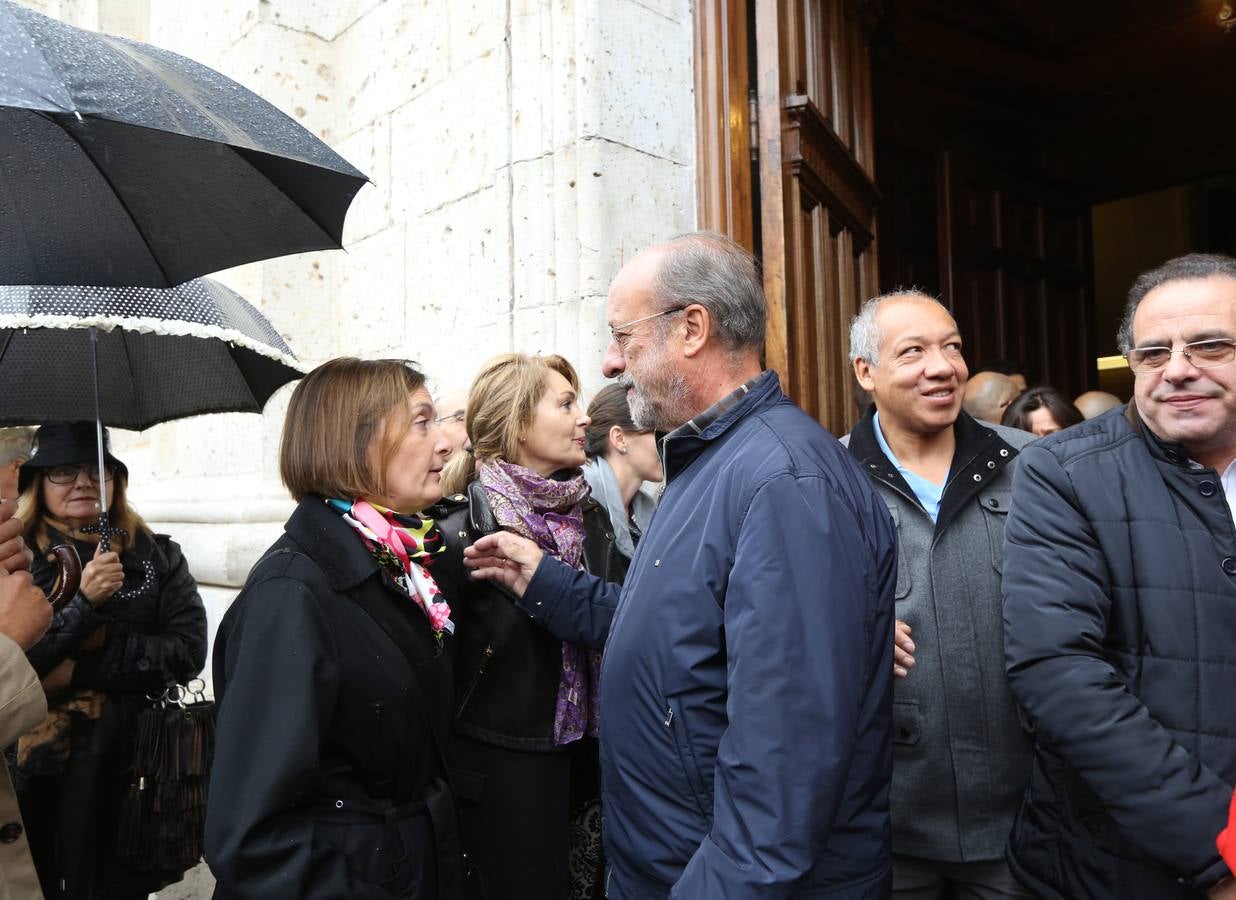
547	511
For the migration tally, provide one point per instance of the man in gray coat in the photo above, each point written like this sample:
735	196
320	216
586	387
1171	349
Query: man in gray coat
961	759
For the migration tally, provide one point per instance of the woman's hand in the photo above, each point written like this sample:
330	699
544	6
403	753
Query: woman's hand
102	577
506	558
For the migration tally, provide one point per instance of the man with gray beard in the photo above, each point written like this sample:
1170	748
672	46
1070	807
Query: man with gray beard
746	731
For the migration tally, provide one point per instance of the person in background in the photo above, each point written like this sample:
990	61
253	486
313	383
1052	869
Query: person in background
621	458
526	706
988	395
452	407
1094	403
24	617
1120	612
1041	411
135	625
333	688
1010	367
14	450
960	757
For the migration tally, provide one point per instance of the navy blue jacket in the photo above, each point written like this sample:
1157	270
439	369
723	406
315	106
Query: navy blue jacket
1120	635
746	689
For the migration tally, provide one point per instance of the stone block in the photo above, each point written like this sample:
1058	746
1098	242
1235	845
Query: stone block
371	302
633	201
202	30
370	151
325	19
293	70
637	66
447	142
476	27
392	53
296	294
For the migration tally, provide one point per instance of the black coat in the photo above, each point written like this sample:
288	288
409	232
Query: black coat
155	634
1120	636
507	665
332	692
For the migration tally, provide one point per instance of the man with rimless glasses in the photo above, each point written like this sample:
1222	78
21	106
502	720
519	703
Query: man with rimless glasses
1120	611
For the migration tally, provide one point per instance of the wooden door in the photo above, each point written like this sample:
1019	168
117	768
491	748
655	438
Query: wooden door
786	167
818	197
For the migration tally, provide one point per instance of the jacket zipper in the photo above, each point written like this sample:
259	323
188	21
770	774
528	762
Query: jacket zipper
480	670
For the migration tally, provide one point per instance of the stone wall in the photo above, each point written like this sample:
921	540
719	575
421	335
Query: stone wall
519	150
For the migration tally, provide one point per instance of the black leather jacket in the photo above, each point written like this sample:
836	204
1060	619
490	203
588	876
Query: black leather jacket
507	665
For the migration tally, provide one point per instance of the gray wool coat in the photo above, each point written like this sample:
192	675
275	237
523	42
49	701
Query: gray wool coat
961	758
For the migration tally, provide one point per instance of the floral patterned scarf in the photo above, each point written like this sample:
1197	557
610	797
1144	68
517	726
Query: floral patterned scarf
403	545
547	511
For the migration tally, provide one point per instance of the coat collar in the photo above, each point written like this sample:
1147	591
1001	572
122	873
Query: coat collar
978	459
1165	451
682	445
331	543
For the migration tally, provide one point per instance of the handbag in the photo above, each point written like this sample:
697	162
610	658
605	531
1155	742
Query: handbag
163	813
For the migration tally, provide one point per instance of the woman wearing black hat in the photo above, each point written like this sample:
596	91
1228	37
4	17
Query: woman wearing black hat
136	625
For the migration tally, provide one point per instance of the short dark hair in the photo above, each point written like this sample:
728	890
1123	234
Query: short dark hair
1061	408
1190	267
608	408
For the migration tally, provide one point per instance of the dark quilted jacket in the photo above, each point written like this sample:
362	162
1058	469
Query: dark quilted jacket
1120	637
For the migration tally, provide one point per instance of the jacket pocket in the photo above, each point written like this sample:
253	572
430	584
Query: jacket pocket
995	506
681	737
904	579
907	723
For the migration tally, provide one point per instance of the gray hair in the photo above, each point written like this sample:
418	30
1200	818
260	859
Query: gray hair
1191	267
865	334
15	444
710	269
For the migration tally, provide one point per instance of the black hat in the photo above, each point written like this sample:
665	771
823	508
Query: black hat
66	443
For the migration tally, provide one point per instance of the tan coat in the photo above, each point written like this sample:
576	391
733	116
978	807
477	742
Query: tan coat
22	706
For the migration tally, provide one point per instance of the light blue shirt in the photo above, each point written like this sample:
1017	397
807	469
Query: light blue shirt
927	492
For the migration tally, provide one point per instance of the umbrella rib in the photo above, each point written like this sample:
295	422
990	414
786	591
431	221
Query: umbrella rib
115	193
128	359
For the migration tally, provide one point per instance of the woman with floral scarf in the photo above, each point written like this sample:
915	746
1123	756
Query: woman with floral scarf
524	759
330	776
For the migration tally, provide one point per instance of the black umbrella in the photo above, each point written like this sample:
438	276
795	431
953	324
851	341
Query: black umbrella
124	164
133	357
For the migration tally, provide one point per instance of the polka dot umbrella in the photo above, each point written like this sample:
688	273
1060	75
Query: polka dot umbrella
132	357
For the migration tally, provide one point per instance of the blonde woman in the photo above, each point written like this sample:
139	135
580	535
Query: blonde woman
135	625
526	705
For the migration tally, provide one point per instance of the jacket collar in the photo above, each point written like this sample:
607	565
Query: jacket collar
1164	451
980	455
331	543
682	445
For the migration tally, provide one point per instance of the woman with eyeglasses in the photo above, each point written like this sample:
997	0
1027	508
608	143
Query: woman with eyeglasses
526	705
136	625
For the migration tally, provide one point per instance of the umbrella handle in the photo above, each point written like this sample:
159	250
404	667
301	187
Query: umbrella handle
69	578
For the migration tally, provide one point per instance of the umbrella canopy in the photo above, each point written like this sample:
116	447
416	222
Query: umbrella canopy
124	164
162	354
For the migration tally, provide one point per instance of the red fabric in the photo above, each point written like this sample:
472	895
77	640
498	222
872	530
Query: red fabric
1226	841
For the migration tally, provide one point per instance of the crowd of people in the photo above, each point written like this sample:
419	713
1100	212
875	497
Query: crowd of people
981	646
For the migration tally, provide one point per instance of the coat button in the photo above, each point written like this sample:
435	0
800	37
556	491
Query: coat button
991	464
978	477
1174	456
1206	488
1229	565
993	502
1004	452
10	832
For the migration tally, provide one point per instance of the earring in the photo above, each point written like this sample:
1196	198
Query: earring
622	450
